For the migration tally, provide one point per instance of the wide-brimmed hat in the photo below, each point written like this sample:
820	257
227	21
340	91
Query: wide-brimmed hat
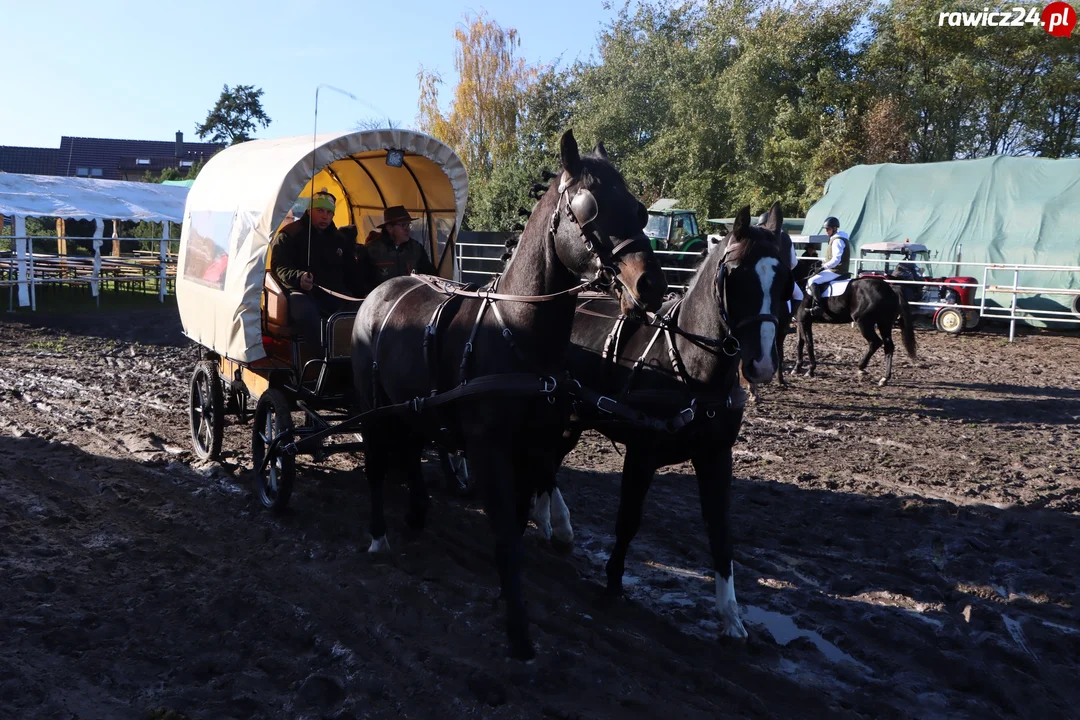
394	214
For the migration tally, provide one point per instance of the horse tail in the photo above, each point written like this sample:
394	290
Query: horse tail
907	329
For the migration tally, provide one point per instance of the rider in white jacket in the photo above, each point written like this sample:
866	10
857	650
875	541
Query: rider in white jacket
836	267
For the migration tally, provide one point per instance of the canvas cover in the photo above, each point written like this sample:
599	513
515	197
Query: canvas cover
1017	210
242	195
87	199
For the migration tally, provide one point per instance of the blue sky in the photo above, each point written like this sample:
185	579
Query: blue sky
143	70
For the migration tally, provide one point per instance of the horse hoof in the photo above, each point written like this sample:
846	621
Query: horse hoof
522	654
379	545
883	382
733	628
562	547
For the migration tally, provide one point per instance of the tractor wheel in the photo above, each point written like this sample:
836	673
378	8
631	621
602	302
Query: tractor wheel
1076	305
272	418
949	320
972	319
206	411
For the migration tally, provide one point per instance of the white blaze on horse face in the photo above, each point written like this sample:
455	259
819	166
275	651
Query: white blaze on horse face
763	366
560	519
727	607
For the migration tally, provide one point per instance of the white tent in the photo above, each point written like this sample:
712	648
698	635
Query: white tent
242	195
23	196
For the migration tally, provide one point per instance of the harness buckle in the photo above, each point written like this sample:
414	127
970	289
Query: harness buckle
550	383
730	345
600	402
688	414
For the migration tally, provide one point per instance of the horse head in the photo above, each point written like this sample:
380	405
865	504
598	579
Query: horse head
598	229
752	285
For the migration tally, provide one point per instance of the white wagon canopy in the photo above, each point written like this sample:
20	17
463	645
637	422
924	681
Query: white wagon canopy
241	197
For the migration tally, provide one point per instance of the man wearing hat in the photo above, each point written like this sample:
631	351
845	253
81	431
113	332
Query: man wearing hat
320	266
836	267
392	251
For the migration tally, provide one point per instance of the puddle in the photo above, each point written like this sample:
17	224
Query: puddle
679	599
1063	628
1016	630
783	630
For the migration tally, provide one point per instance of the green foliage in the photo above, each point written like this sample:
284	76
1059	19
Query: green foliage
723	103
235	115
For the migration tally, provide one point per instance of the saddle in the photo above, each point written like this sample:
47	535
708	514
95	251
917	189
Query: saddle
837	287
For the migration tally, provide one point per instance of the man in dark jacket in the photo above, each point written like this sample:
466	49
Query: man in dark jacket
392	251
328	277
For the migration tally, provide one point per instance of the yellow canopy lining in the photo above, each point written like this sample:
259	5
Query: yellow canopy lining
364	186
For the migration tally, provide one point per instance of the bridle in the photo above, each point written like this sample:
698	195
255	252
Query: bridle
582	209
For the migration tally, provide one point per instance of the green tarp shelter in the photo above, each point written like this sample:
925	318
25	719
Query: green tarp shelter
1002	209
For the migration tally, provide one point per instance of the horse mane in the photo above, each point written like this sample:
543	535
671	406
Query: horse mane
735	251
592	162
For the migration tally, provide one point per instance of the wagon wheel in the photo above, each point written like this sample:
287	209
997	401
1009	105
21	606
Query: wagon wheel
950	320
206	411
275	482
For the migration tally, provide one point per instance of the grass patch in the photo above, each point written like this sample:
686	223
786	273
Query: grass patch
75	300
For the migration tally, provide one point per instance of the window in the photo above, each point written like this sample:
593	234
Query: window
142	161
82	172
95	172
186	163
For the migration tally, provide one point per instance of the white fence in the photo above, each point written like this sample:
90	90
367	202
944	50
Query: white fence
22	270
1009	309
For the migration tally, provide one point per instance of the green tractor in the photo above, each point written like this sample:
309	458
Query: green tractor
675	230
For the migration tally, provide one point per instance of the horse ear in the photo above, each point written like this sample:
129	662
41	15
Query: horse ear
742	223
568	151
775	222
600	151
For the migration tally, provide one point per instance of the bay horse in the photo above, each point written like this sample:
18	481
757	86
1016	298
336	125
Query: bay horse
683	378
873	305
412	341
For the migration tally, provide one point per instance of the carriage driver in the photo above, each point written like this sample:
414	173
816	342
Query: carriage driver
392	251
836	267
329	277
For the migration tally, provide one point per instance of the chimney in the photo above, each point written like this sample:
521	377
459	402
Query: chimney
179	144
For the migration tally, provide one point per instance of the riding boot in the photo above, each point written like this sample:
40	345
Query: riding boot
817	308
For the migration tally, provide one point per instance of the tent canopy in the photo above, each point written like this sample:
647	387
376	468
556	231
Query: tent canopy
86	199
242	195
1009	210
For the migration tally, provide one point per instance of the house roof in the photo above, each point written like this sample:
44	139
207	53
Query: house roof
112	155
28	160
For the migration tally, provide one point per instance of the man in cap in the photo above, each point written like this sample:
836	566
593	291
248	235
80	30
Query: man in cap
392	251
324	278
836	267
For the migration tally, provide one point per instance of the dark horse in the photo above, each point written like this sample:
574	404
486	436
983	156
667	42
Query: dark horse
411	341
873	305
684	380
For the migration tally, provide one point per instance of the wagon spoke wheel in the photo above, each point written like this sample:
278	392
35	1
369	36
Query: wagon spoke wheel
206	406
273	418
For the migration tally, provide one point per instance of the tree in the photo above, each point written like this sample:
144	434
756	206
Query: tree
235	115
482	121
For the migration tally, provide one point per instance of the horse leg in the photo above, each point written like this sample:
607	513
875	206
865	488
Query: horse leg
541	513
713	467
636	478
376	461
494	471
780	337
885	328
800	335
808	333
418	494
866	327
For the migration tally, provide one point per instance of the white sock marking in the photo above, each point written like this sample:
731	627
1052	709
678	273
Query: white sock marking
379	545
727	606
560	518
541	515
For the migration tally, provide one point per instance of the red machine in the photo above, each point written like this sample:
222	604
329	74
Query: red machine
908	261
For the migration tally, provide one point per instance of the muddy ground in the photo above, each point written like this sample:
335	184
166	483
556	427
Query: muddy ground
908	551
